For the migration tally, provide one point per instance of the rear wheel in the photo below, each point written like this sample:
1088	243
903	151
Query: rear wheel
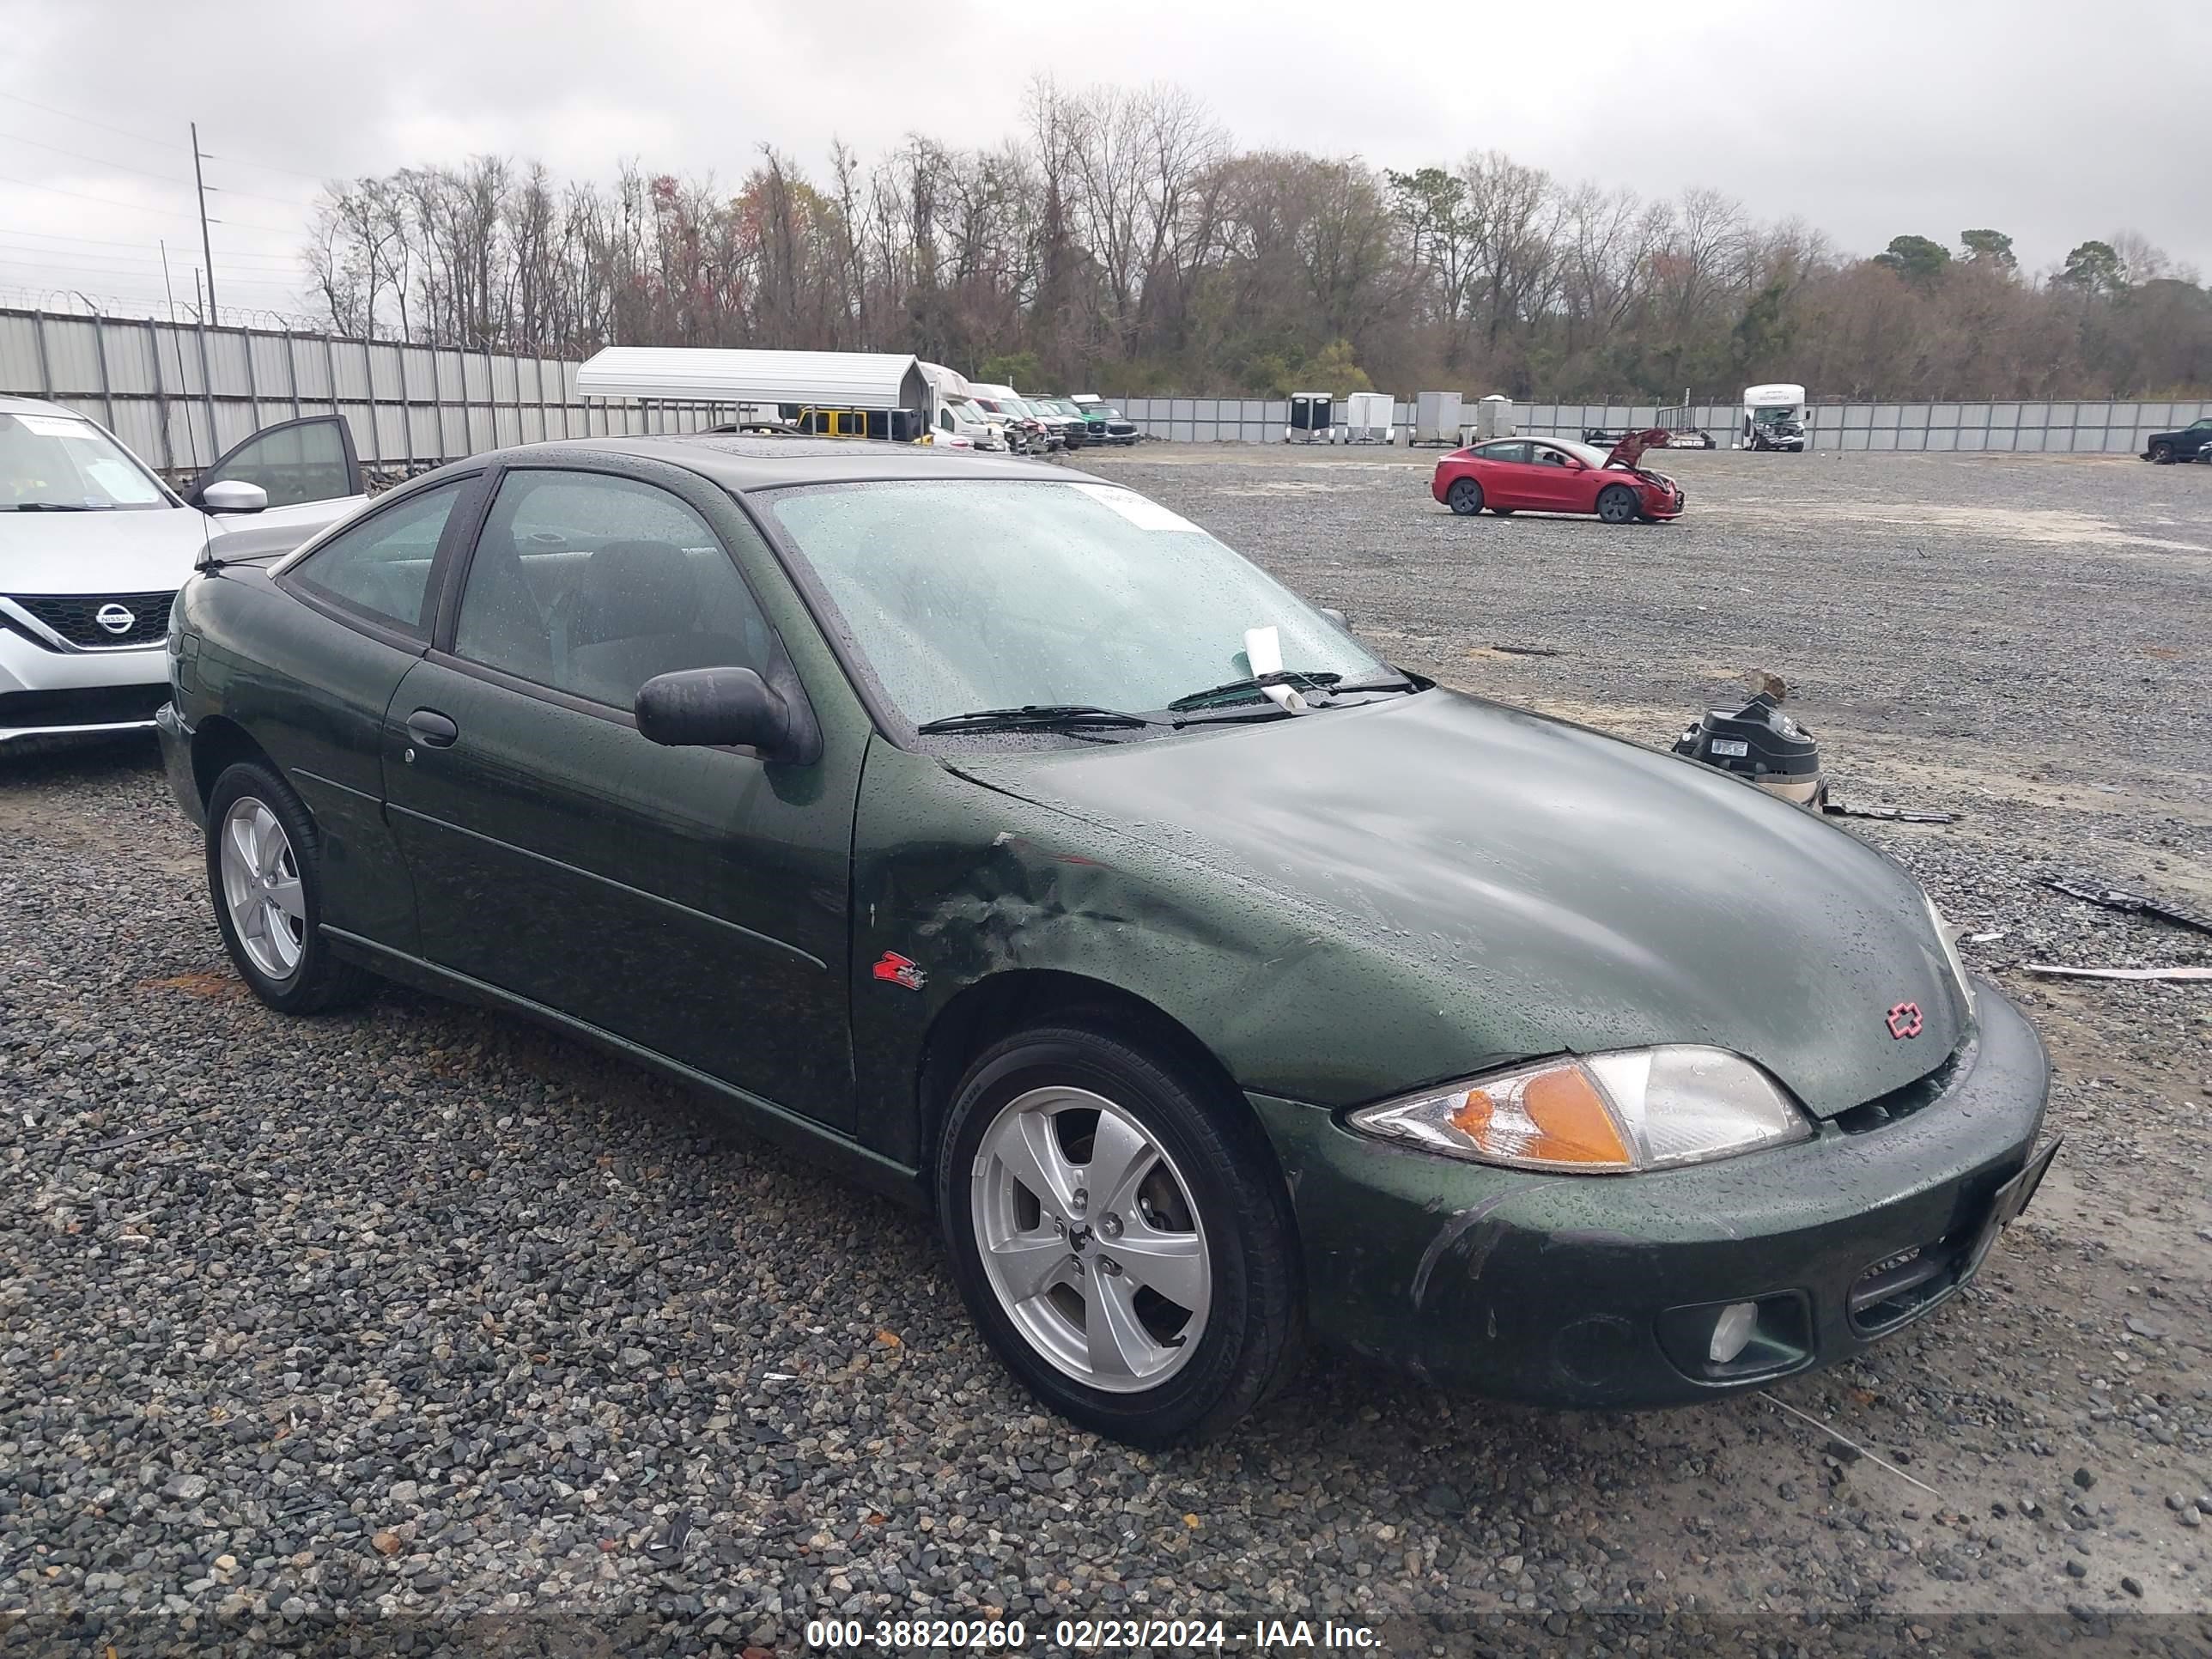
264	873
2162	453
1616	504
1122	1239
1464	497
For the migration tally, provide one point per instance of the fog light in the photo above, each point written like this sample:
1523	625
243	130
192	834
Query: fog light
1731	1331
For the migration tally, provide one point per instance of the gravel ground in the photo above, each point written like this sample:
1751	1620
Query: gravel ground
417	1326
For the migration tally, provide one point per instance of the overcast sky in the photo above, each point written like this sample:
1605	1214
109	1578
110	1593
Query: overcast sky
2052	120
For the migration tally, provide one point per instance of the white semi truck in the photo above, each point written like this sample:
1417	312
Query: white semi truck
1773	417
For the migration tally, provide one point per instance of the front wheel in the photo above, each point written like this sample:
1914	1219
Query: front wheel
1464	497
264	873
2162	454
1121	1237
1617	504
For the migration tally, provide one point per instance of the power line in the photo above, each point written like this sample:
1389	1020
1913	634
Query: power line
148	172
149	138
70	259
140	207
272	166
103	201
94	241
254	278
66	115
79	155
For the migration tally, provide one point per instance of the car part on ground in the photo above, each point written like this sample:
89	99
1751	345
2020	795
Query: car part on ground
931	939
2140	904
1842	809
2170	974
1761	744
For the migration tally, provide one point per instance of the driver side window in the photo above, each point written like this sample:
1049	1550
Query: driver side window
592	584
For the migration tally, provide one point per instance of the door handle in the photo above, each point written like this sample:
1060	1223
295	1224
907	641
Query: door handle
433	730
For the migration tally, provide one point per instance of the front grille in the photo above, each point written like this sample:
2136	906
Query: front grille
89	705
75	617
1914	1096
1898	1286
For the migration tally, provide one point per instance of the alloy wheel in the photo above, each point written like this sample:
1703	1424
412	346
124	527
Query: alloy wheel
261	888
1090	1239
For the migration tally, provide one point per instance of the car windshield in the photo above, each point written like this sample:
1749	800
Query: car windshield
1775	415
994	594
55	463
1588	454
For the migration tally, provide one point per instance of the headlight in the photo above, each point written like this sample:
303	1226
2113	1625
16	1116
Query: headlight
1640	1108
1949	935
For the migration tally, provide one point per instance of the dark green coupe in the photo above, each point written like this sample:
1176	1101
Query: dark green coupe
1003	839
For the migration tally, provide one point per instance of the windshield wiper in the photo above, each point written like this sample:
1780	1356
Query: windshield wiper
1040	715
1253	687
63	507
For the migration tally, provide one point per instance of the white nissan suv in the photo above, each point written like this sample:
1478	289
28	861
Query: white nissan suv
94	545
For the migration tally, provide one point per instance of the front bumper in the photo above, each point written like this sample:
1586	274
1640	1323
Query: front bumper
66	693
176	740
1598	1290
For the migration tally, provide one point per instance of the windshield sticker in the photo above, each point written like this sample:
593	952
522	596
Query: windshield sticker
53	426
1137	509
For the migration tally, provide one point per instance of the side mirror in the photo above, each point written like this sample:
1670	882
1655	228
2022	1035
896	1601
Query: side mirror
709	707
1334	615
232	495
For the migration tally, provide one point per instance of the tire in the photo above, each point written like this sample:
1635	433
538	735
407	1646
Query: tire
2162	454
1504	511
261	849
1464	497
1195	1232
1617	504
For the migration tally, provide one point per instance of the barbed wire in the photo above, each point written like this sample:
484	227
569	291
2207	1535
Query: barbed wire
78	302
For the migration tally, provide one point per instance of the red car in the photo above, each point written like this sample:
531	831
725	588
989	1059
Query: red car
1553	475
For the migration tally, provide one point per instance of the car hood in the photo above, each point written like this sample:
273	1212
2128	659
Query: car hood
1631	447
131	551
1557	890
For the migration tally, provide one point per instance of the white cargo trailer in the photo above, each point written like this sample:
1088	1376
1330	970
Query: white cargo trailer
1436	419
1369	418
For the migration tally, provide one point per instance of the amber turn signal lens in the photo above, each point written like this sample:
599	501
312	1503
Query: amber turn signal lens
1553	1117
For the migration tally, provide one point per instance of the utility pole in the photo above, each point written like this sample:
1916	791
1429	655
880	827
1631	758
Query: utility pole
166	286
200	185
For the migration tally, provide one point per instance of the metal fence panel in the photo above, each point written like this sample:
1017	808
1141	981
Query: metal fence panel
179	393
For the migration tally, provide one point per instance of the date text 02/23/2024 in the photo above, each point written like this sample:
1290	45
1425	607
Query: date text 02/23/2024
1088	1635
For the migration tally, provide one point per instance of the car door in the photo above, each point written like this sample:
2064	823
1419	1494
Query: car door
1503	472
314	695
692	901
311	473
1554	481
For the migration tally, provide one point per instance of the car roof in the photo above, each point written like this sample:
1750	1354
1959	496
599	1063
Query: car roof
36	406
747	461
